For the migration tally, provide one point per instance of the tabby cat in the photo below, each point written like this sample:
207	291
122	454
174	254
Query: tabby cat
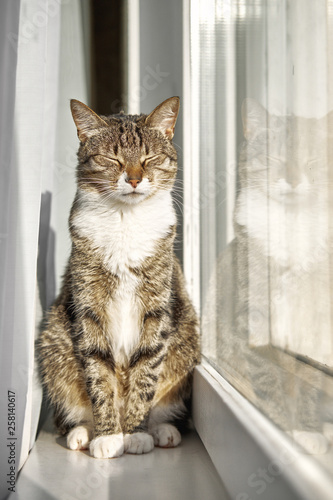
121	341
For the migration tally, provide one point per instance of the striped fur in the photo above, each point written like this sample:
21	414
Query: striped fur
121	342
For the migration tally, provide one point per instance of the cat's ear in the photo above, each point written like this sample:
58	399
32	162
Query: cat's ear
87	121
254	118
164	117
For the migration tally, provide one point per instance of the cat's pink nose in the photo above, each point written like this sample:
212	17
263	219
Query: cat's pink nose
133	182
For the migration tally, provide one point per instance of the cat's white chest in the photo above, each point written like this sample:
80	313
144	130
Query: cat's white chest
124	239
124	318
125	236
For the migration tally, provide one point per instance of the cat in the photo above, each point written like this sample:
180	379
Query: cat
121	342
269	291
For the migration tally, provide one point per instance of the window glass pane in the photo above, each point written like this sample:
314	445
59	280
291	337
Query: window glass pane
266	205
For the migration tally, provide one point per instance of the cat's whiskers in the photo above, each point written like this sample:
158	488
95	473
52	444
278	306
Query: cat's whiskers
106	193
161	184
97	183
167	187
95	179
179	148
173	190
107	196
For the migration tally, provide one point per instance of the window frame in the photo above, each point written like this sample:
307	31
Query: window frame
252	456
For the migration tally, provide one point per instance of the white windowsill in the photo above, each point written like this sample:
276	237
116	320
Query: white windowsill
253	457
247	456
54	472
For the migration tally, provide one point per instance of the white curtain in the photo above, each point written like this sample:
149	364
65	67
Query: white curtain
42	65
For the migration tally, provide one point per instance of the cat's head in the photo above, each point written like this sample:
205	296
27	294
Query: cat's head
126	158
284	157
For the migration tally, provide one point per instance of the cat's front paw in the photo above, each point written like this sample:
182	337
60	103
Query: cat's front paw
107	446
166	436
79	438
138	443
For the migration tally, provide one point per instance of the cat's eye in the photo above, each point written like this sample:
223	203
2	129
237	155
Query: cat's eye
115	161
107	160
149	159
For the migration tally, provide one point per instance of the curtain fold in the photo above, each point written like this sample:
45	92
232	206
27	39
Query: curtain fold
34	42
42	65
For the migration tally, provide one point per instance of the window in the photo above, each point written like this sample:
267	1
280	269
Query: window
261	155
256	126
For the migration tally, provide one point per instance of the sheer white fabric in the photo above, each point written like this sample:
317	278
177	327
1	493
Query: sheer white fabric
42	65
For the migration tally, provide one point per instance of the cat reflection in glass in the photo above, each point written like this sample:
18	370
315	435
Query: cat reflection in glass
118	352
282	210
270	289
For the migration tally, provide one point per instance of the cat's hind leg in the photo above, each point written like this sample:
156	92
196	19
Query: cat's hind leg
161	428
63	379
166	435
79	437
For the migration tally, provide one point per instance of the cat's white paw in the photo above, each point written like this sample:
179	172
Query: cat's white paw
79	438
166	436
138	443
107	446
